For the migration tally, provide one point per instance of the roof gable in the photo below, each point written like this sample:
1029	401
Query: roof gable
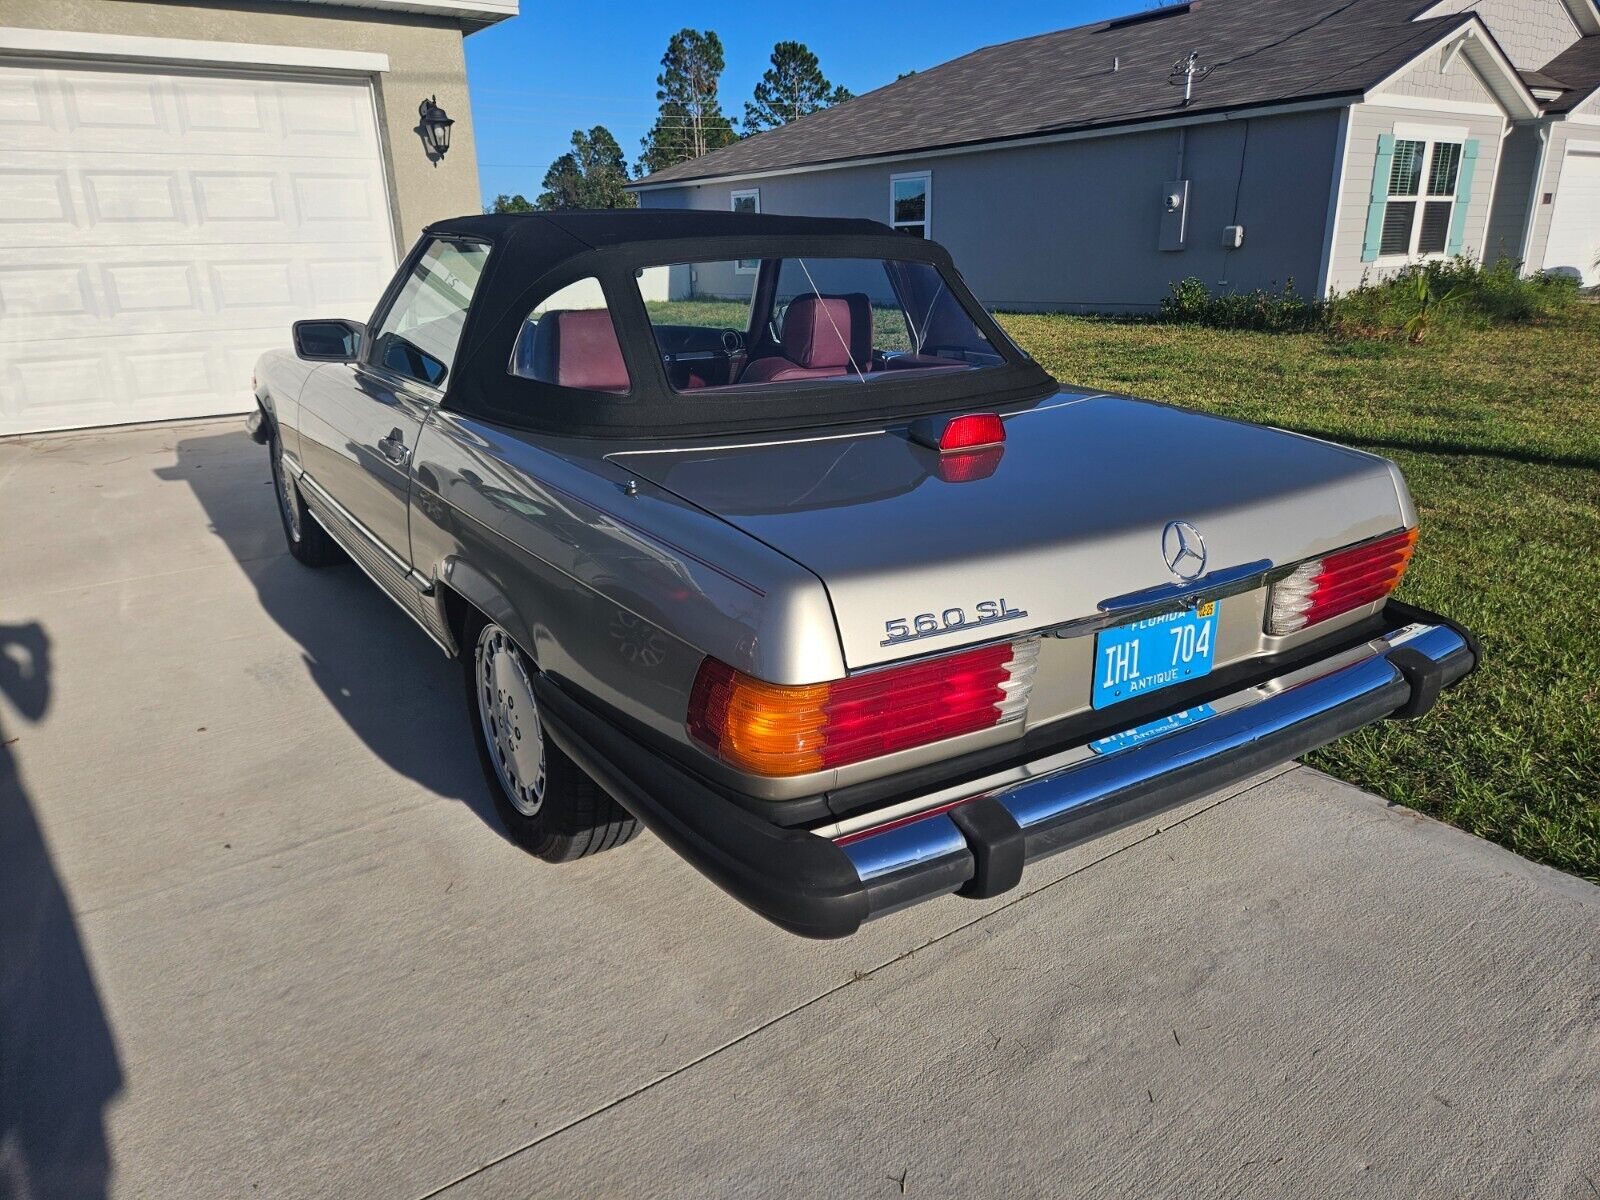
1585	16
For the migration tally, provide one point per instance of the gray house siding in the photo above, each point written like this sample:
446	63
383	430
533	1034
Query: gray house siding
1369	121
1458	82
1531	32
1513	190
1075	225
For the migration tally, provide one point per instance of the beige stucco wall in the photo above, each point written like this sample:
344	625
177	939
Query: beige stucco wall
425	58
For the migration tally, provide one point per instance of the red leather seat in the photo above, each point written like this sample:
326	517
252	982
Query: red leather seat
816	343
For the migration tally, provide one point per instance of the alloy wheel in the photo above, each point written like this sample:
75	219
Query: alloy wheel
510	719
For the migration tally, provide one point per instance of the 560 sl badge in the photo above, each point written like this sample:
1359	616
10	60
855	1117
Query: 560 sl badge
909	629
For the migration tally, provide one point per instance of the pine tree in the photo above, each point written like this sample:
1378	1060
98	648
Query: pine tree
590	175
510	204
792	87
690	122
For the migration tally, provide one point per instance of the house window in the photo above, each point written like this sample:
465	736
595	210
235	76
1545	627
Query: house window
1422	197
911	202
747	202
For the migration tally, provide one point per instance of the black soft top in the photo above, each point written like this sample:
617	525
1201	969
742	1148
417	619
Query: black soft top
533	254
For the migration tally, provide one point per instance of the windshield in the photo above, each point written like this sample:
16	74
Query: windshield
746	323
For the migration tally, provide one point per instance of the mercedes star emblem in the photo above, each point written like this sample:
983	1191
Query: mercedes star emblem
1184	550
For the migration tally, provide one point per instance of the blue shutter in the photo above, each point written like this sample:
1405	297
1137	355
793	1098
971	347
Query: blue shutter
1458	220
1379	198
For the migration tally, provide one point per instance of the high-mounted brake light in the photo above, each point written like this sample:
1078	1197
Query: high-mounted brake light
772	729
1339	582
974	431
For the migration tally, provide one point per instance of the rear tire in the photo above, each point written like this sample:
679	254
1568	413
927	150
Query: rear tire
308	541
547	804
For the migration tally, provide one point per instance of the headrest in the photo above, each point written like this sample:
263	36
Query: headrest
816	332
578	349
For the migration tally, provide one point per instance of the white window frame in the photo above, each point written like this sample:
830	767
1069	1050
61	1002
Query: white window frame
1430	136
744	266
926	177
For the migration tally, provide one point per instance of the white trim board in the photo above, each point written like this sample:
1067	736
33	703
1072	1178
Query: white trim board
1427	104
489	12
1431	133
59	43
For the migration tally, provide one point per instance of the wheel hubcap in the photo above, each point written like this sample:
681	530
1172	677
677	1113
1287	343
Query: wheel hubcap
286	497
510	719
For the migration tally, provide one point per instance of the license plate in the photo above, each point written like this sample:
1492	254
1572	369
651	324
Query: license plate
1158	652
1154	729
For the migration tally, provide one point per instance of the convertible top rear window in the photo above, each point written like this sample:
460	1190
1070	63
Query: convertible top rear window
900	297
764	323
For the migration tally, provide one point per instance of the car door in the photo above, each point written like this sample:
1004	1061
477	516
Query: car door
359	421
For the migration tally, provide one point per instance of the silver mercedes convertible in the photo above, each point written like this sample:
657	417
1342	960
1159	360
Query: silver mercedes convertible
760	532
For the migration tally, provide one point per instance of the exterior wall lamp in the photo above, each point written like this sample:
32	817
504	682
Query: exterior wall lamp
434	129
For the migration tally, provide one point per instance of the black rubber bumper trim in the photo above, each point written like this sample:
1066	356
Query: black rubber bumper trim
808	885
795	879
997	844
258	425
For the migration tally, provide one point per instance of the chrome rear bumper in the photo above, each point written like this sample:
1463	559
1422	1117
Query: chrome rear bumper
977	843
975	837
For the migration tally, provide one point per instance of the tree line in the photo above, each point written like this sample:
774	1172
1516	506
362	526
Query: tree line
689	122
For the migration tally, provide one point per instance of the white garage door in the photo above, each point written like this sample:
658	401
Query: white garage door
160	228
1574	246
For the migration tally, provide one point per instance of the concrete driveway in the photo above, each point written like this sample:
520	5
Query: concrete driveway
261	938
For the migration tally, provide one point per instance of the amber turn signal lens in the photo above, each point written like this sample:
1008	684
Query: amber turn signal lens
772	729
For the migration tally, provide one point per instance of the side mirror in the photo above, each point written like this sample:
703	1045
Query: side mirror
328	341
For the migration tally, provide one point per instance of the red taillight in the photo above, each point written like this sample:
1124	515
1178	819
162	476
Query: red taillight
772	729
971	432
1337	583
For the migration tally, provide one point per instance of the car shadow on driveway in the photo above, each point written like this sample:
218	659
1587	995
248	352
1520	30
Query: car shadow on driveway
382	675
58	1061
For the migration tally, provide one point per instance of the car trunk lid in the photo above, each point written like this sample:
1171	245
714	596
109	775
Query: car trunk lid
1070	513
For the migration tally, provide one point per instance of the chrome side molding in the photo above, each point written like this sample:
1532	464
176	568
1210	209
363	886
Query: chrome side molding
412	591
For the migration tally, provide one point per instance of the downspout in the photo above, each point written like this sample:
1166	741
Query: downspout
1533	197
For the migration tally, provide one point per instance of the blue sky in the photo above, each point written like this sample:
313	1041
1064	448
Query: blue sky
564	65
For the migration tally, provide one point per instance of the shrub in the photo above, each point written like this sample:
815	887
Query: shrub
1190	302
1459	291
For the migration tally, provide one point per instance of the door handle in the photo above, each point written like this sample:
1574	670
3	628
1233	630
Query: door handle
394	448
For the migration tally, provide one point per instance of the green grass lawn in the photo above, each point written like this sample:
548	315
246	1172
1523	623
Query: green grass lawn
1498	433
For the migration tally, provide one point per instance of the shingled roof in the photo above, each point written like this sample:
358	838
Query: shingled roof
1577	69
1109	73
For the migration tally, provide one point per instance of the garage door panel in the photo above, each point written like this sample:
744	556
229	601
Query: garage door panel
145	212
120	378
201	289
209	202
1573	246
117	111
